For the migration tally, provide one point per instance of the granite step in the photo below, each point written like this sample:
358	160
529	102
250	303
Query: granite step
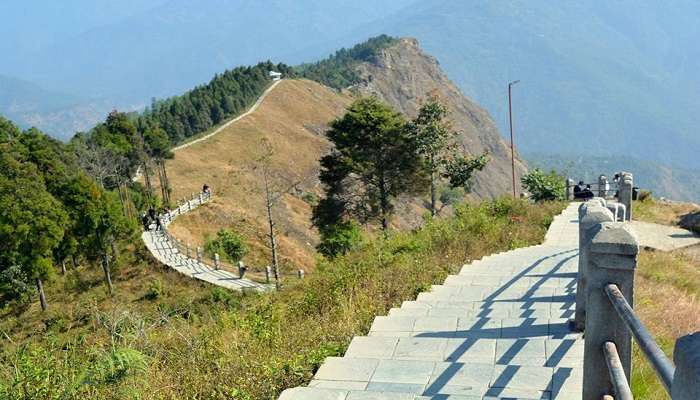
435	378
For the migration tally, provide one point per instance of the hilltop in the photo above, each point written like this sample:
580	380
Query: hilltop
294	117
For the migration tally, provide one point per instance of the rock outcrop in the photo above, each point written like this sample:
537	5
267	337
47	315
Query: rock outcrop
404	76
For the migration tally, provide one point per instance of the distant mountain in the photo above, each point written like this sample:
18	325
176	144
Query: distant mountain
613	79
597	77
680	184
59	114
169	48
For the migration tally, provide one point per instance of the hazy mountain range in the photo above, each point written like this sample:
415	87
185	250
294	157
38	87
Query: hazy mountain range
598	78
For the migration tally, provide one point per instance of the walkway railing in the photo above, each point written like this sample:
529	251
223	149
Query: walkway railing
604	311
211	259
618	198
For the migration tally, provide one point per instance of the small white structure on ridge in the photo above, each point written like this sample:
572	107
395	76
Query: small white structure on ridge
276	76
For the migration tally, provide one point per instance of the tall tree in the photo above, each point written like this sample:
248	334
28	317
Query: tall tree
438	148
157	145
32	221
375	159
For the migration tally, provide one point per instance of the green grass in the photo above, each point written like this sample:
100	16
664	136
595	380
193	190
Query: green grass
164	337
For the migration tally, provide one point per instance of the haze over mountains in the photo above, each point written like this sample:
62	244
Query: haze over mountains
597	78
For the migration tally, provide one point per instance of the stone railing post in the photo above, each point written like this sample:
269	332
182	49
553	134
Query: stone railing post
569	189
199	254
241	269
188	250
625	193
201	198
686	379
216	261
268	274
602	185
612	259
591	213
300	273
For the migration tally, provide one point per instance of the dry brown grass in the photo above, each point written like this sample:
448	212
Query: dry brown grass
667	300
661	212
293	119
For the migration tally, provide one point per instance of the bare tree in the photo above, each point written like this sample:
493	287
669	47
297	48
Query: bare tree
274	187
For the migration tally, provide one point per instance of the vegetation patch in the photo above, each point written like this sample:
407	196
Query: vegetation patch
194	343
667	299
661	211
338	71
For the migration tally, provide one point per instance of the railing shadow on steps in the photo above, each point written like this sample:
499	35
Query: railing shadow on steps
605	313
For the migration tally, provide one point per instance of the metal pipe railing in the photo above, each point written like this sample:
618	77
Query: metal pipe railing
662	365
617	372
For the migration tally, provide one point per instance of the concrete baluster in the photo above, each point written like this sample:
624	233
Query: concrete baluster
216	261
300	273
625	196
602	186
590	213
268	274
199	254
686	379
188	250
612	259
569	189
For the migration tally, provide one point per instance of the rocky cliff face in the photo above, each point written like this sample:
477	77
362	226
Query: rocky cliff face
403	76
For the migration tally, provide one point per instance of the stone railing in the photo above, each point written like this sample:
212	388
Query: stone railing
617	195
604	311
197	253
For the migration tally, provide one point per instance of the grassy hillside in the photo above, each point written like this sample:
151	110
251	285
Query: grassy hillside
667	316
165	337
293	119
677	276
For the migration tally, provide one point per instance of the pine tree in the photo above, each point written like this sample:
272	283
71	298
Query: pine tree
437	147
374	161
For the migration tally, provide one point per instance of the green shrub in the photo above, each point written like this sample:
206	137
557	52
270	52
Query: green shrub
544	186
644	195
117	365
155	290
227	244
339	239
451	196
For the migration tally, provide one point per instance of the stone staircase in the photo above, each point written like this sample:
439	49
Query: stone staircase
497	330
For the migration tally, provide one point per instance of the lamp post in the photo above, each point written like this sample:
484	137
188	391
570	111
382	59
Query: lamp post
512	145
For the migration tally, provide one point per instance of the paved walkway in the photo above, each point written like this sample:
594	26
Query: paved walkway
496	330
664	237
167	252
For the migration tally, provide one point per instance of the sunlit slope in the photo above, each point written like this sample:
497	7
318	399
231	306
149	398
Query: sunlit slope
293	118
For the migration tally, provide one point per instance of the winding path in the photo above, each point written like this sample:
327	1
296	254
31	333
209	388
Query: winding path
227	124
164	249
497	330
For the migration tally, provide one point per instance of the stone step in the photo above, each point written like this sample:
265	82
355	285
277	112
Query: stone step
447	293
492	310
531	352
435	378
471	327
317	393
